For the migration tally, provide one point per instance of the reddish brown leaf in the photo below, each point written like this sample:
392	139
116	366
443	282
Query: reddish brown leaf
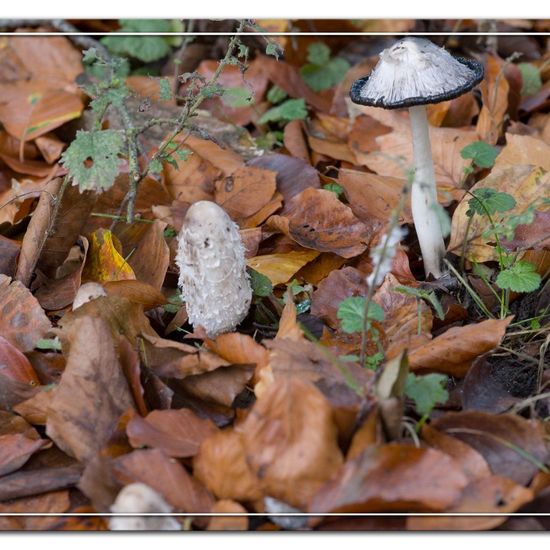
167	476
290	441
178	433
489	495
9	251
92	394
455	350
294	140
228	523
317	219
136	291
50	146
35	409
15	450
14	365
22	320
238	349
511	445
393	477
222	466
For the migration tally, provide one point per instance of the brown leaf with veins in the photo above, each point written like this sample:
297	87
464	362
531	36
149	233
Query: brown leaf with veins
390	478
454	351
35	409
317	219
228	523
222	466
92	393
166	476
22	320
178	433
245	191
511	445
14	364
490	495
291	441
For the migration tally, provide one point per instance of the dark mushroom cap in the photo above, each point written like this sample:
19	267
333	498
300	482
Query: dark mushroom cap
414	71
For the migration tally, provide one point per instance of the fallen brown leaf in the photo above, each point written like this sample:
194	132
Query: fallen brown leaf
228	523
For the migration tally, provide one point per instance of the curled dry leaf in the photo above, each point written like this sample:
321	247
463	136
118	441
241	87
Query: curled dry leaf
290	441
489	495
23	322
245	191
281	267
166	476
222	466
136	291
317	219
238	349
512	446
525	183
92	393
14	364
178	433
454	351
35	409
393	477
228	523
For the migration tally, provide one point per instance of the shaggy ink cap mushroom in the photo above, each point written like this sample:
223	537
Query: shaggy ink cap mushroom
414	71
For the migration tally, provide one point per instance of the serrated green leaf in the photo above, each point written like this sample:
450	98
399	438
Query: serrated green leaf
261	285
211	91
318	53
166	93
291	109
320	78
273	49
276	94
491	201
92	159
336	188
532	82
351	313
237	97
89	56
114	96
481	153
426	391
521	277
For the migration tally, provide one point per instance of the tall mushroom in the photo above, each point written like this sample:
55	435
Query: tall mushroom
213	277
410	74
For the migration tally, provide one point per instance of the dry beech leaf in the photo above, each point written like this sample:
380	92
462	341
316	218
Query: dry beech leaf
222	466
290	441
293	175
280	268
294	140
394	157
23	321
524	150
237	349
50	146
9	251
472	463
523	182
166	476
491	495
454	351
136	291
228	523
178	433
393	477
35	409
92	393
494	95
245	191
511	445
317	219
14	364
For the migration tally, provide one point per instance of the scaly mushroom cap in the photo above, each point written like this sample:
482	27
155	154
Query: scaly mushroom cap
213	278
414	71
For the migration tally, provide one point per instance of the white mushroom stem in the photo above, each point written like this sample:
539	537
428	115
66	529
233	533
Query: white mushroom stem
424	195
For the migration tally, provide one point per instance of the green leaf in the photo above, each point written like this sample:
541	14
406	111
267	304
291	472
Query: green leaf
92	159
48	344
155	166
318	53
276	94
237	97
211	91
421	294
166	93
491	201
89	56
521	277
530	76
426	391
351	313
336	188
113	96
320	78
291	109
273	49
481	153
261	285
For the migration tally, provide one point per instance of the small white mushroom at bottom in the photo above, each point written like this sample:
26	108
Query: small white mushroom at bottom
138	498
213	278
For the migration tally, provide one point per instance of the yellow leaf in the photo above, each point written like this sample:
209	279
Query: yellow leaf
105	263
279	268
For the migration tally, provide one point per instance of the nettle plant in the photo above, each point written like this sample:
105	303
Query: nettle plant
97	156
513	273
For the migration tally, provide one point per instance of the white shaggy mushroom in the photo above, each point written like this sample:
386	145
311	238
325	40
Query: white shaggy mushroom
412	73
213	278
138	498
